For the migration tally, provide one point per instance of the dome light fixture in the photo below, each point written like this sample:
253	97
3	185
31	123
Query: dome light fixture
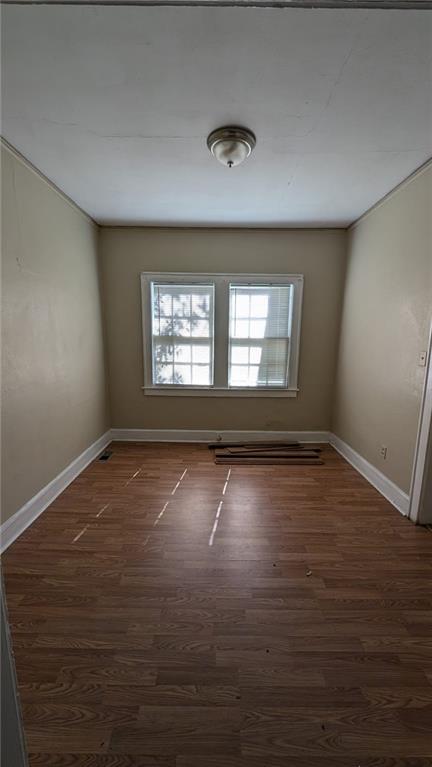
231	145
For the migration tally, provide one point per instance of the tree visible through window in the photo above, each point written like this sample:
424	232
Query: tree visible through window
221	332
183	334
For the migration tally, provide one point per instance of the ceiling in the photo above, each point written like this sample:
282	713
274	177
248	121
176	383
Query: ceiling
404	4
114	105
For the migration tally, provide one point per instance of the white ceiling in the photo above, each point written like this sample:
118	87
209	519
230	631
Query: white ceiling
114	105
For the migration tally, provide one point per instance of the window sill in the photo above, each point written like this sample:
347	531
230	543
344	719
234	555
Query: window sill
197	391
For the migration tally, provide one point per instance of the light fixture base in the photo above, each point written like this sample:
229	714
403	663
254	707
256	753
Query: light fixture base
231	145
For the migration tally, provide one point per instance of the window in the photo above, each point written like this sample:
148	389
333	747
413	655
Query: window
182	334
212	334
259	335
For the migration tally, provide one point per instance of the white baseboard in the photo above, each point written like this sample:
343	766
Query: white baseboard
385	486
205	435
13	527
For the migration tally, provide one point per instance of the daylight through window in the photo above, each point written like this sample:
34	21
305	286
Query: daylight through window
221	333
182	337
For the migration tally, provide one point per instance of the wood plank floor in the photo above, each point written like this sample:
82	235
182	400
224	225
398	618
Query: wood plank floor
170	612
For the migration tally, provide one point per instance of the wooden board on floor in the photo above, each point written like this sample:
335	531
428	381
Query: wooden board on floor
257	443
304	454
258	448
257	460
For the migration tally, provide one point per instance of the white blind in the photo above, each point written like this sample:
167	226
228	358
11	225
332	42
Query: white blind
182	334
260	324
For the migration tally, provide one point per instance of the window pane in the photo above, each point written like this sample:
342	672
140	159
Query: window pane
253	375
239	355
263	360
239	375
164	374
239	328
182	305
259	305
182	374
257	328
182	328
164	307
180	313
182	353
164	327
200	305
242	305
201	353
164	352
255	353
200	328
201	375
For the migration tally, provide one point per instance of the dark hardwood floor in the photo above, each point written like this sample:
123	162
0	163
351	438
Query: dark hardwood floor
169	612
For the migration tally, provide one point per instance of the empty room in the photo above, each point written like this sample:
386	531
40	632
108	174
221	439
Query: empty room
216	384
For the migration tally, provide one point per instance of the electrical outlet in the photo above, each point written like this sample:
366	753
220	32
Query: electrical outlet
383	452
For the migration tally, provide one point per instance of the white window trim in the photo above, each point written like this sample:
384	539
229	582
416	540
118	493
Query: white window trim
221	333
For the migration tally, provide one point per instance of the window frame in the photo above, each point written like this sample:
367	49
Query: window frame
222	283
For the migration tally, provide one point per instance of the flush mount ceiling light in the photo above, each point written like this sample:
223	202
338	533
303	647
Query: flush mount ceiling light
231	145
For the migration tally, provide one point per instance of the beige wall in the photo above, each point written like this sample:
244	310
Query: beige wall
385	324
54	402
318	254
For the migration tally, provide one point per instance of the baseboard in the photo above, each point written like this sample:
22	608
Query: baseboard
385	486
13	527
205	435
